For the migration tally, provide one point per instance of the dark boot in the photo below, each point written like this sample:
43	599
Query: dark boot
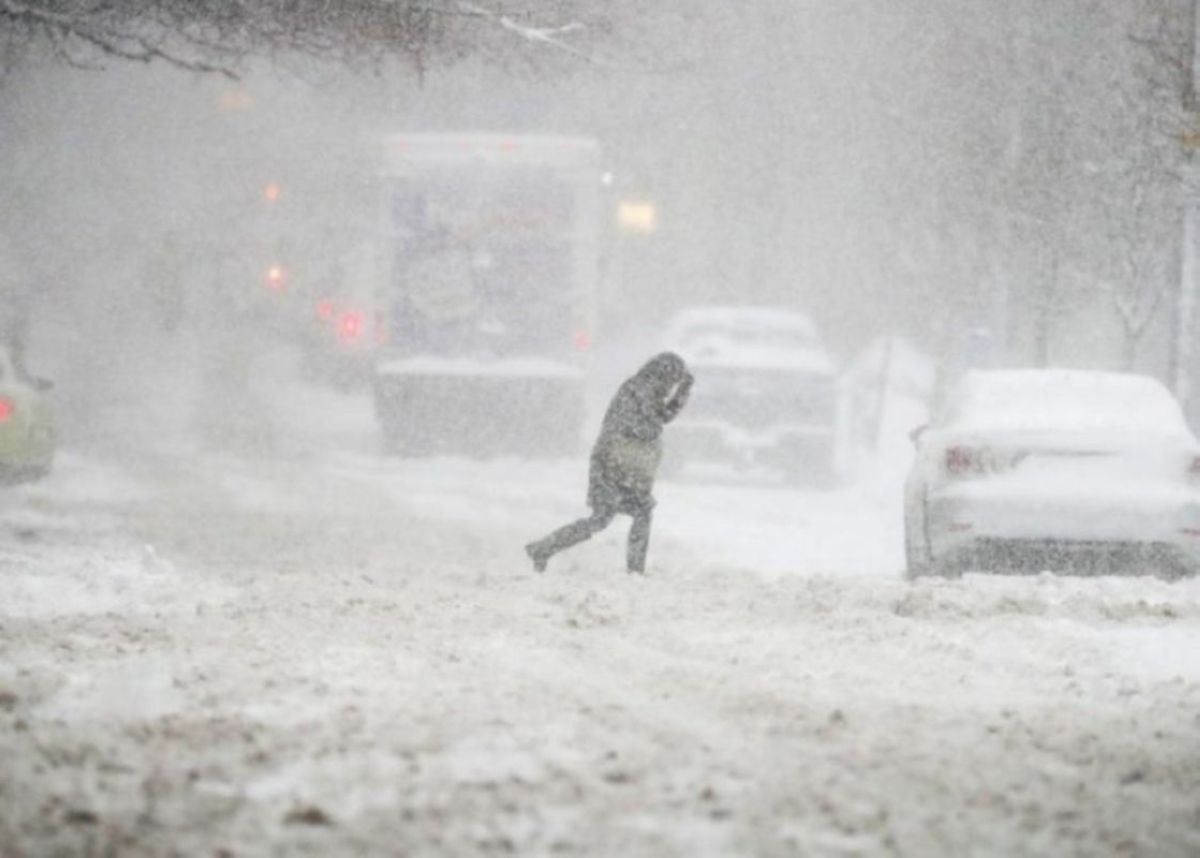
538	555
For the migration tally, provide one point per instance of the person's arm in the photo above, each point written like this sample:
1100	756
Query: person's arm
678	399
646	414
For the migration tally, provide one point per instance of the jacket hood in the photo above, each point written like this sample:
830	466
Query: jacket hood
666	368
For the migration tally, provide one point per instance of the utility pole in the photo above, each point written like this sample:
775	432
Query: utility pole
1193	59
1182	350
1182	355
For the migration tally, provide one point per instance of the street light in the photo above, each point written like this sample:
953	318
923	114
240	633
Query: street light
637	217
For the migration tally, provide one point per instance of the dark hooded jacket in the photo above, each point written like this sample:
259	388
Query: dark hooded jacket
626	455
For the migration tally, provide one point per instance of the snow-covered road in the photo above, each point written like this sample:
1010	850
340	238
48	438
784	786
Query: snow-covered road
330	653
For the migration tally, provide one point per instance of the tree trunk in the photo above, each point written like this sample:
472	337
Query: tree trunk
1041	339
1129	347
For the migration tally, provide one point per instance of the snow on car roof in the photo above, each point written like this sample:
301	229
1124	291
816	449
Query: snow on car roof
748	336
1054	399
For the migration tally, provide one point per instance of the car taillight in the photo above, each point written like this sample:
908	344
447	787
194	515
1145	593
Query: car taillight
325	310
964	460
350	325
6	409
275	277
582	340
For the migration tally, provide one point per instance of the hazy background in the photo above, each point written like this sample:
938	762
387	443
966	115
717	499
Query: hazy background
922	169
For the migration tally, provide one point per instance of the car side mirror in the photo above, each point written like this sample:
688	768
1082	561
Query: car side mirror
917	434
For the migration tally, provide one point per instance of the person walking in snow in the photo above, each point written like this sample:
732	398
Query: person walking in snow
625	460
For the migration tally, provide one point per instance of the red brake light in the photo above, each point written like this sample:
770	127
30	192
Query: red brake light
275	277
325	310
6	409
350	325
963	460
582	339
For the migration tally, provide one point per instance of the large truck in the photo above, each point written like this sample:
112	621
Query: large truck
489	267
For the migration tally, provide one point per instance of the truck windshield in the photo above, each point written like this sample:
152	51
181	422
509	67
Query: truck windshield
482	261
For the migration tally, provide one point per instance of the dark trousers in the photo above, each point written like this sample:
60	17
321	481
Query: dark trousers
586	528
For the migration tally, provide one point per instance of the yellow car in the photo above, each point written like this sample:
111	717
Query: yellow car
27	436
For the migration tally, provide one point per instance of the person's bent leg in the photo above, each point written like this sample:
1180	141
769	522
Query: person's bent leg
572	534
639	538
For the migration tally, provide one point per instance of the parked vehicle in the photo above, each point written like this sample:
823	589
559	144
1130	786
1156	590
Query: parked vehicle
27	434
487	299
765	392
1063	470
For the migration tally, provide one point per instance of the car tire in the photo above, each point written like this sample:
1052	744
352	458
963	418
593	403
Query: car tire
919	559
916	555
947	568
1176	569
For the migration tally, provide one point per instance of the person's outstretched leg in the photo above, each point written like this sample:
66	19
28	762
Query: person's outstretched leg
639	539
572	534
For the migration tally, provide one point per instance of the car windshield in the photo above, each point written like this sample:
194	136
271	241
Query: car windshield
1056	401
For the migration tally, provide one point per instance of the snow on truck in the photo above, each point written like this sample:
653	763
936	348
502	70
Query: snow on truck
488	292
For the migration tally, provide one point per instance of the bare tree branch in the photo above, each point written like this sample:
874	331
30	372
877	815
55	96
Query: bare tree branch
216	36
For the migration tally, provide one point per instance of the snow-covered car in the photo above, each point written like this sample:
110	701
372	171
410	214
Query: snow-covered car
764	392
27	437
1060	470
